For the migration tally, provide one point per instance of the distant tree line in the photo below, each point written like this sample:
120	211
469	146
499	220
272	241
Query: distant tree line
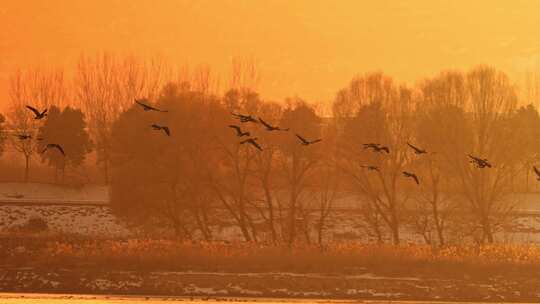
201	175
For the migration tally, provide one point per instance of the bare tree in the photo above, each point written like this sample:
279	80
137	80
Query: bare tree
37	87
441	126
106	85
491	100
374	110
327	192
298	161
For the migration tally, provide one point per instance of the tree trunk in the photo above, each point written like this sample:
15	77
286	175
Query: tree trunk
487	231
320	230
292	224
438	224
106	170
271	215
26	168
394	227
243	228
202	226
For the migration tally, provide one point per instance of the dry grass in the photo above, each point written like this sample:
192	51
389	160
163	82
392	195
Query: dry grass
349	257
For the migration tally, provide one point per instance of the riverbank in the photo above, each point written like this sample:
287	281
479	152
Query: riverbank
347	270
269	285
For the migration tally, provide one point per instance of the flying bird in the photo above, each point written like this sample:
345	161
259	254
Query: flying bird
416	149
537	173
411	175
37	114
306	142
252	141
54	146
479	162
370	145
376	147
143	103
164	128
239	132
270	127
244	118
371	168
24	136
380	149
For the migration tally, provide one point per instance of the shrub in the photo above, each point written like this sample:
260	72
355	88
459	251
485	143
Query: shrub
35	225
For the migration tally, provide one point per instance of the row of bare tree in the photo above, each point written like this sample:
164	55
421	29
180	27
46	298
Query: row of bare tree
102	87
287	191
201	177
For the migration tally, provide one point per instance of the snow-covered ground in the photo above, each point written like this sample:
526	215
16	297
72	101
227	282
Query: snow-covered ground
25	193
98	221
85	211
83	220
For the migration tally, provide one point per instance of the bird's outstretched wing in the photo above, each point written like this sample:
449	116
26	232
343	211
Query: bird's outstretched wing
59	149
33	110
415	179
255	144
536	171
167	130
316	141
265	123
413	147
385	149
145	105
237	128
148	107
474	158
302	139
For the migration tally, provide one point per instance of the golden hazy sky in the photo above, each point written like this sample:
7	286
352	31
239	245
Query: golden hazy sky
304	47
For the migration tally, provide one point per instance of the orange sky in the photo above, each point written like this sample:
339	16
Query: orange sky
307	48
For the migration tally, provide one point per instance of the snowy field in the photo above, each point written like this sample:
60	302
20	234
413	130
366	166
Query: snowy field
27	193
84	211
98	221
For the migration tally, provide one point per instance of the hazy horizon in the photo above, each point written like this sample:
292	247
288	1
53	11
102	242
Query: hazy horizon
304	48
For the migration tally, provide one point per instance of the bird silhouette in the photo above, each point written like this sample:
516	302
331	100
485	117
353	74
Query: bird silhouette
537	172
239	132
371	146
270	127
24	136
480	162
143	103
416	149
377	148
245	118
37	114
252	141
382	149
53	146
411	175
371	168
164	128
306	142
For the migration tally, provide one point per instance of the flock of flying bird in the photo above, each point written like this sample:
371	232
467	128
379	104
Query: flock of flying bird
39	115
268	127
242	118
479	162
375	147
